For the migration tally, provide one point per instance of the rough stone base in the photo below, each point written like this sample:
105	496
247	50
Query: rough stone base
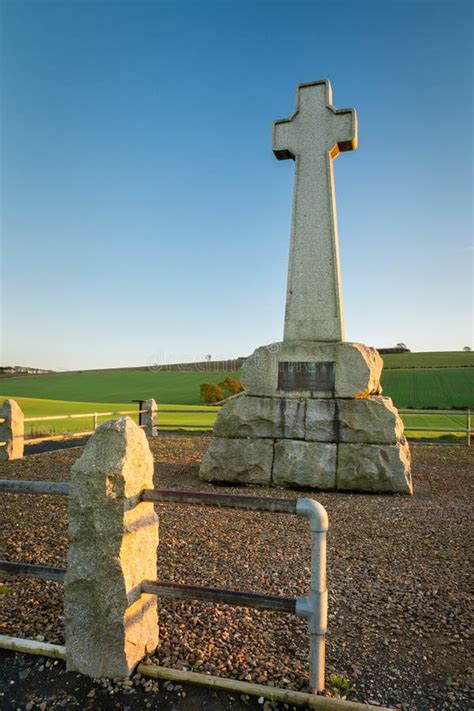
370	468
342	435
369	420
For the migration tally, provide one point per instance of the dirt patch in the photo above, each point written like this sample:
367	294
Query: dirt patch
398	578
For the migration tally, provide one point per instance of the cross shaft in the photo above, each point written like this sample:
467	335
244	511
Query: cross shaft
313	136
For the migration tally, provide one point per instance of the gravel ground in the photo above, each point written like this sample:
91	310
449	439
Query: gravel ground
398	578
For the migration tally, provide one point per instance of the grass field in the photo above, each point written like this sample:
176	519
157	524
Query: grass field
201	415
416	380
438	359
115	386
442	388
412	380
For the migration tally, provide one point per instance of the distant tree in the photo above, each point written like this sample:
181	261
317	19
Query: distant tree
467	348
232	386
211	393
208	357
401	345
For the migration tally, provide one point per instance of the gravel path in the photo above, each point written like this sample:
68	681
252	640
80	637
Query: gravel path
398	576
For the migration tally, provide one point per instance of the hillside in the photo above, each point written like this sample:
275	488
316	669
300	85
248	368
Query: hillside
412	380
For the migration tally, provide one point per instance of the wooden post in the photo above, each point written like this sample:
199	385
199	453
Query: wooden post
94	421
468	427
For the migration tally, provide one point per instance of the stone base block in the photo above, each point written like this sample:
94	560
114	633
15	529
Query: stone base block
239	461
368	468
357	369
374	468
266	417
310	465
369	420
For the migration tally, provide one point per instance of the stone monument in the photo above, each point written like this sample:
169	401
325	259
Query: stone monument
312	414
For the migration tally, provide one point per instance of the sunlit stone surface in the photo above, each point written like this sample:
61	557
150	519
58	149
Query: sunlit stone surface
110	624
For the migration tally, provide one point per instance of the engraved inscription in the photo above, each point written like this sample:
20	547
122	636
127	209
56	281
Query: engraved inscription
304	376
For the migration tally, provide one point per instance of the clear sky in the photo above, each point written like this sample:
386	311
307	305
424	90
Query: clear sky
144	216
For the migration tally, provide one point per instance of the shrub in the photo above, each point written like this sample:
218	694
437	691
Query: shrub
232	386
211	392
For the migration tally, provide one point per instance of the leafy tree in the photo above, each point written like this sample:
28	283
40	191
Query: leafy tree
467	348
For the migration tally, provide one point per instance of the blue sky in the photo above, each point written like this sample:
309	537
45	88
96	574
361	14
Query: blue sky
144	216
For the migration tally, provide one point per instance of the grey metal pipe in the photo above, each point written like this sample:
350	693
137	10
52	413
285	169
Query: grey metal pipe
30	570
219	595
13	486
233	501
314	607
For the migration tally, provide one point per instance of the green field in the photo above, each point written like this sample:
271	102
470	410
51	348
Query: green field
201	415
434	359
433	388
114	386
412	380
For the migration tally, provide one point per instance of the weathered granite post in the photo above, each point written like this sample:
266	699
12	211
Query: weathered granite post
12	431
110	624
312	414
150	418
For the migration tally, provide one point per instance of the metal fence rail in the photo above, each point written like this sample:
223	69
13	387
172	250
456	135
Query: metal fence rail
313	607
467	430
205	427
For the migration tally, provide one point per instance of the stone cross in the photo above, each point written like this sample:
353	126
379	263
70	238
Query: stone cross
313	136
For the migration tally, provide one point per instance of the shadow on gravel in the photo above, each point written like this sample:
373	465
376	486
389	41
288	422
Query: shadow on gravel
28	682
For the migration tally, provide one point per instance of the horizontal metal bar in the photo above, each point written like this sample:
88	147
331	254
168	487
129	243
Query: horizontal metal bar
28	570
14	486
196	412
434	429
232	501
57	438
165	425
219	595
434	412
78	415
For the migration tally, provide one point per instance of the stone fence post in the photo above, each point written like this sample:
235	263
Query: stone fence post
150	418
12	431
110	624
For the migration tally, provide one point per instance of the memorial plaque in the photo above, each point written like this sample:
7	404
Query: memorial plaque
306	376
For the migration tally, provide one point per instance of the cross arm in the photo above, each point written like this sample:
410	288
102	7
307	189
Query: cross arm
281	139
346	127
